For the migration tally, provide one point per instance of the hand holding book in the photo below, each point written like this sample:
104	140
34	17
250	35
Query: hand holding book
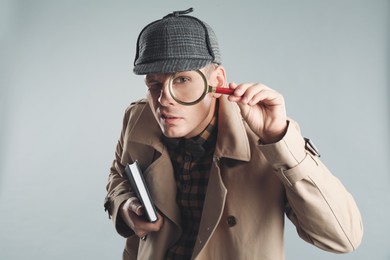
138	185
132	214
141	219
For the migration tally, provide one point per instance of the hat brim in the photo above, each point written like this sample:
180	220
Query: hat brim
171	65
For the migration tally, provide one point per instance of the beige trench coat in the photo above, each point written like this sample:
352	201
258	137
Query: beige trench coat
251	188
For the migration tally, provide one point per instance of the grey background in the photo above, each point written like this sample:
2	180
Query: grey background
65	78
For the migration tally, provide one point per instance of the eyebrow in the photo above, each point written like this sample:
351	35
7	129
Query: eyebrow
150	80
156	77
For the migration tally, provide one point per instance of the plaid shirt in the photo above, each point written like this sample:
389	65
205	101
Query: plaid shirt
191	159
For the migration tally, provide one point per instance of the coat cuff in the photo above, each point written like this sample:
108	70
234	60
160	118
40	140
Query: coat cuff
288	152
120	225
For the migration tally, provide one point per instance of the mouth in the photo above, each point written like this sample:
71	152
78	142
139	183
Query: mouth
169	118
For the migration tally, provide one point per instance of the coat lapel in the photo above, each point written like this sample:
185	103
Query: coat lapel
159	174
232	143
212	209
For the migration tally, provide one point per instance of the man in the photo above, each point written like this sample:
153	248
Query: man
222	172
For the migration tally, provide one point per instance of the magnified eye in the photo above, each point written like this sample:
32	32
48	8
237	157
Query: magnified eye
188	87
181	80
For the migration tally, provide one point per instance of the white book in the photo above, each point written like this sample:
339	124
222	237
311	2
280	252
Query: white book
138	184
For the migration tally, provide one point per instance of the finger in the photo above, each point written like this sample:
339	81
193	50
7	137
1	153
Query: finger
244	92
154	226
240	89
267	97
253	93
158	224
248	91
143	228
136	206
232	85
140	226
236	96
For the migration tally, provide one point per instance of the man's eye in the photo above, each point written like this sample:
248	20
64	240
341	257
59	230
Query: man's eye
154	87
181	80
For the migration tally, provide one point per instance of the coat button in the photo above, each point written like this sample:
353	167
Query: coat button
231	221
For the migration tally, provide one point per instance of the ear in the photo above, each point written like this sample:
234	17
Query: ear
219	79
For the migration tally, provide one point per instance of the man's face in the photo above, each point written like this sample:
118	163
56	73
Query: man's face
177	120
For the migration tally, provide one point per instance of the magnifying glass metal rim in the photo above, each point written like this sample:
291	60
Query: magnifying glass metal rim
190	103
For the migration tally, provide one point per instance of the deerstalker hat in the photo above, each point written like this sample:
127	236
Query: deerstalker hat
177	42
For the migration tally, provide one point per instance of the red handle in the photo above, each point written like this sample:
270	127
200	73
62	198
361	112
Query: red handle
226	91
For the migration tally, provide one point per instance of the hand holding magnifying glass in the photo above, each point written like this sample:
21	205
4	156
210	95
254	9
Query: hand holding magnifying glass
263	109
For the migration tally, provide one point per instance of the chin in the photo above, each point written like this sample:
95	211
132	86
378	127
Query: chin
172	134
175	131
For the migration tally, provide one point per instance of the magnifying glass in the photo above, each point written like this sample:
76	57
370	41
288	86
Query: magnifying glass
190	87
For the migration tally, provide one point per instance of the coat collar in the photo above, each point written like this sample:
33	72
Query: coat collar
232	140
146	130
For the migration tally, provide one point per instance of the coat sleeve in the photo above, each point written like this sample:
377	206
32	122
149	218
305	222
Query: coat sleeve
118	187
323	211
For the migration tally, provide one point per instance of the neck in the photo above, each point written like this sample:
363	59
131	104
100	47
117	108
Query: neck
206	121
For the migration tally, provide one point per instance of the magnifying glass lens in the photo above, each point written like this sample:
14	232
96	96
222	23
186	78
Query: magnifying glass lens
188	87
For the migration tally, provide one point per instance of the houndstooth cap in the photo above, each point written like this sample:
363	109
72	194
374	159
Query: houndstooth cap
177	42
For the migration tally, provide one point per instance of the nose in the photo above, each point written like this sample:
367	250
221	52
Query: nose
165	97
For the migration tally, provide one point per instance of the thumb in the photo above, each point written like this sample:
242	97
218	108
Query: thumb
136	206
